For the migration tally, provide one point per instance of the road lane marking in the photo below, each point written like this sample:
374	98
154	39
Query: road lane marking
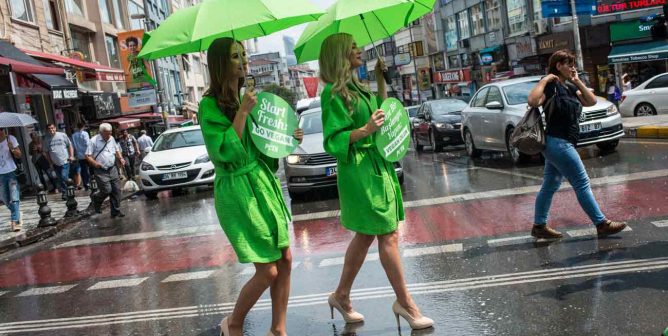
189	276
645	142
510	241
661	224
248	270
190	231
508	279
339	260
3	293
594	182
421	251
591	231
129	282
46	290
511	172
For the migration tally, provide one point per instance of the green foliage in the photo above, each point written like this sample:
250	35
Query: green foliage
282	92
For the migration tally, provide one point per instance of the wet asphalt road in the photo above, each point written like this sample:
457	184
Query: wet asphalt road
166	269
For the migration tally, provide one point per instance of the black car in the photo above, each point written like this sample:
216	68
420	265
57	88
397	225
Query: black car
438	124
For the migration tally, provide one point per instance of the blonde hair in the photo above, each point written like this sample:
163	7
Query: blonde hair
335	68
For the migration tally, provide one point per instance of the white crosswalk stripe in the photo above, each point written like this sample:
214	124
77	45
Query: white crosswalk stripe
46	290
420	251
591	231
661	224
189	276
130	282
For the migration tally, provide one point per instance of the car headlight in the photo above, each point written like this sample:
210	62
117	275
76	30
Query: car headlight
146	166
444	126
296	159
203	159
612	110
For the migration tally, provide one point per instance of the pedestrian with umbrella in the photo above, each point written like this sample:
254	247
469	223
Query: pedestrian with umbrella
369	191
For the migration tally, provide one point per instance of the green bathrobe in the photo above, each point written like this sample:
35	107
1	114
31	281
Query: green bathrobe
369	191
248	196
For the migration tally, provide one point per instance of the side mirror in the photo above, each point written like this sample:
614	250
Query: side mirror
495	105
147	150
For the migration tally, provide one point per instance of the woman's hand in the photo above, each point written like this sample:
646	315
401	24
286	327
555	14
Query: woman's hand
550	78
379	69
376	121
248	102
299	135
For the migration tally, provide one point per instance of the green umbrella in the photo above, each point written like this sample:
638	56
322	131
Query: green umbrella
367	21
194	28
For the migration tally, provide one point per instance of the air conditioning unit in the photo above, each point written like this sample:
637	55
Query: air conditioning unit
540	27
464	43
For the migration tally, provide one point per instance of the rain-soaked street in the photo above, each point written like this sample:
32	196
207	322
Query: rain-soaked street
167	269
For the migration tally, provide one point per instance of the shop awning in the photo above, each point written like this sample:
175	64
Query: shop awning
103	73
639	52
171	118
125	123
27	68
490	50
55	82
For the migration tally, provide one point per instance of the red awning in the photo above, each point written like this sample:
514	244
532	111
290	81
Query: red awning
171	118
27	68
125	123
102	73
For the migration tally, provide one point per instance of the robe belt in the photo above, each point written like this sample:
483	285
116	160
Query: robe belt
238	172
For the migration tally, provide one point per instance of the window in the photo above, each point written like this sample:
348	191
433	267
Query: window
451	33
477	22
454	61
75	7
118	19
493	8
135	8
104	11
661	82
537	10
416	49
197	65
517	10
463	21
21	10
479	100
51	14
518	93
112	51
494	95
81	43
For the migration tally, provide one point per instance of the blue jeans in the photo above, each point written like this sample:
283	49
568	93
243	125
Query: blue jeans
562	160
10	194
63	173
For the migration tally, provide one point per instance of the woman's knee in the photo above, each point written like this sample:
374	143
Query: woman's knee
266	272
389	239
285	263
365	239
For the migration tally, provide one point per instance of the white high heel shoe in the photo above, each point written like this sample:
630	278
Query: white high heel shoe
422	322
225	327
352	317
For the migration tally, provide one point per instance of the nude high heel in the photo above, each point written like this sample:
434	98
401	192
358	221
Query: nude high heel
352	317
422	322
225	327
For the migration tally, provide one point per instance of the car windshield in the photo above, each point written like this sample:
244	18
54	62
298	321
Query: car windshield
450	106
175	140
311	123
518	93
412	111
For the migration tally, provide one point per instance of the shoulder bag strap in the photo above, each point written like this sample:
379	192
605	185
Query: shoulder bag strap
101	150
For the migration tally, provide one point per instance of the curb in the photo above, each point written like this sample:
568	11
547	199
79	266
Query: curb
40	233
647	132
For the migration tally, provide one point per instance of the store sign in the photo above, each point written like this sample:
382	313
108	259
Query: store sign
144	97
644	57
548	44
107	77
631	30
486	59
618	6
456	76
65	94
106	105
561	8
402	59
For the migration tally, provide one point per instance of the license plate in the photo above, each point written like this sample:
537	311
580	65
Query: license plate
174	176
590	127
330	171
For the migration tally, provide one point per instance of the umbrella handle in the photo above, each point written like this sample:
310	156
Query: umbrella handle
386	74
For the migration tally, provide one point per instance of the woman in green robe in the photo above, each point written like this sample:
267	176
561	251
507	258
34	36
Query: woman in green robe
248	197
369	192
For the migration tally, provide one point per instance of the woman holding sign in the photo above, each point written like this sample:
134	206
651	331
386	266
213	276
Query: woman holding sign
370	196
248	197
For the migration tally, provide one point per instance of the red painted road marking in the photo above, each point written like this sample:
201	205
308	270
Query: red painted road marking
429	224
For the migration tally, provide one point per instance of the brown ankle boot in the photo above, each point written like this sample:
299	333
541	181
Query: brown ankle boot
543	231
609	227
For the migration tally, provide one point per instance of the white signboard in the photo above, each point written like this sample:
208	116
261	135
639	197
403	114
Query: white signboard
144	97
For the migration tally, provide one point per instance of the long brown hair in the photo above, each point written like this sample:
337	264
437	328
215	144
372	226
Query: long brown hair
220	66
563	56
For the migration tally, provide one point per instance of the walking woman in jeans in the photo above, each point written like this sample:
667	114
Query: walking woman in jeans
369	192
561	158
9	185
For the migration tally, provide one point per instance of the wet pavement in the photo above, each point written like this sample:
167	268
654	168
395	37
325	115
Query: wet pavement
167	269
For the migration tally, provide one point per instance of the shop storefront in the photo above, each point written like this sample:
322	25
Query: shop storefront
546	45
455	83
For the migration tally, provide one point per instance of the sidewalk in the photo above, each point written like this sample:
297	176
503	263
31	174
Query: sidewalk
30	232
652	127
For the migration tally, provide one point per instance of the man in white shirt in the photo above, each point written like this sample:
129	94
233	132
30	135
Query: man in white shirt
9	185
144	141
101	154
60	154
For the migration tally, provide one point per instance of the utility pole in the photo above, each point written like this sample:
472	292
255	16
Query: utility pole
576	37
157	74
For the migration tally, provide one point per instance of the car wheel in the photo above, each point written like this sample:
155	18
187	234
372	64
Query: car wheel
419	148
151	195
434	145
515	155
644	109
470	146
608	146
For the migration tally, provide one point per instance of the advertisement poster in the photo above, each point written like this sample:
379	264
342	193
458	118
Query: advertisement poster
311	85
274	123
137	72
393	138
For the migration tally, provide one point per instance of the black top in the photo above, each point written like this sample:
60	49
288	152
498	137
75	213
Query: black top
564	123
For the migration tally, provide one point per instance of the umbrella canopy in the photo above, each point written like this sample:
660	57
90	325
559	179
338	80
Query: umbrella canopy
11	119
194	28
367	21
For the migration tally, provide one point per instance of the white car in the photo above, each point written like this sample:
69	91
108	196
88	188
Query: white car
648	98
178	159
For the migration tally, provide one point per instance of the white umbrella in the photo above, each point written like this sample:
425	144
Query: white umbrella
11	119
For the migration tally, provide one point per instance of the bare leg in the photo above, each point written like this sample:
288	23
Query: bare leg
265	275
355	255
280	293
388	248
